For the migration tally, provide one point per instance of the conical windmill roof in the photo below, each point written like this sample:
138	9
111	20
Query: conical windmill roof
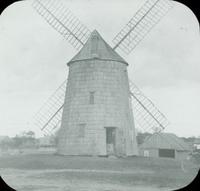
97	48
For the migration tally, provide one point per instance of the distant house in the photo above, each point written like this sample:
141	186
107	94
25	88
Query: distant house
196	144
166	145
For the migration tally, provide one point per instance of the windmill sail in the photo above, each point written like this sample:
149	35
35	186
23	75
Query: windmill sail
48	118
147	116
62	20
142	22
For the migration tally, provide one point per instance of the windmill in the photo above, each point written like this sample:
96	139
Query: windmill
93	108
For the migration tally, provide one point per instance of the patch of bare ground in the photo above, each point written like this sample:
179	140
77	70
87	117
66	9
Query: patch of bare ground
64	173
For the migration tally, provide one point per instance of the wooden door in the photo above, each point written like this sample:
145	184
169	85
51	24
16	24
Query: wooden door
110	140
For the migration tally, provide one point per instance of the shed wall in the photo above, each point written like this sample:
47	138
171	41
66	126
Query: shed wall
152	152
179	155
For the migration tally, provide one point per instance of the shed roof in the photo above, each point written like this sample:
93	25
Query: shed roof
97	48
165	141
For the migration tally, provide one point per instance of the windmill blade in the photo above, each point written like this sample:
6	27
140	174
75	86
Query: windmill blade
48	118
62	20
142	22
146	114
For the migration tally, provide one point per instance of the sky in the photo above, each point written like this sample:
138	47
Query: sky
33	57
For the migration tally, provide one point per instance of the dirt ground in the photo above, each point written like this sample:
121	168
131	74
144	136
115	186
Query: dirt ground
47	172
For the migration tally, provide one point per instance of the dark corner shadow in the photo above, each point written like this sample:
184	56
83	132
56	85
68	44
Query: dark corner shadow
193	186
193	5
6	3
4	186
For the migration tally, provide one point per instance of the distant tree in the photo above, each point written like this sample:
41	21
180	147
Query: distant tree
30	134
6	143
17	141
24	139
189	139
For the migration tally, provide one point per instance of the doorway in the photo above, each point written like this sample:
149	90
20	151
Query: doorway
111	140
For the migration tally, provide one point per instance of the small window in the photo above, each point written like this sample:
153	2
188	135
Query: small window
91	101
81	130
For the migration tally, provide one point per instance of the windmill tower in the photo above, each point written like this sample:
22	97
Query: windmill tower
96	117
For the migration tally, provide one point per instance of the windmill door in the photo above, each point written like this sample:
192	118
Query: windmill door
110	140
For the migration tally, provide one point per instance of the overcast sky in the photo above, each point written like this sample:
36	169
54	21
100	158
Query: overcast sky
33	57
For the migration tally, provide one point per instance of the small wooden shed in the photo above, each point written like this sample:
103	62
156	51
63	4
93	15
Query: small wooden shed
165	145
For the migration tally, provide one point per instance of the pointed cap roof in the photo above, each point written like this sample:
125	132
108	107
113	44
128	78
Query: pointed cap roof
97	48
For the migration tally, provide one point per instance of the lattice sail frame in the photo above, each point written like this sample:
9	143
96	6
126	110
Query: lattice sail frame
146	115
63	21
48	118
142	22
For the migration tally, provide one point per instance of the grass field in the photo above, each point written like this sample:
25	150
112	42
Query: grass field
45	172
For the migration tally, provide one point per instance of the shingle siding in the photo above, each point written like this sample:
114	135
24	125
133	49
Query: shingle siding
111	108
